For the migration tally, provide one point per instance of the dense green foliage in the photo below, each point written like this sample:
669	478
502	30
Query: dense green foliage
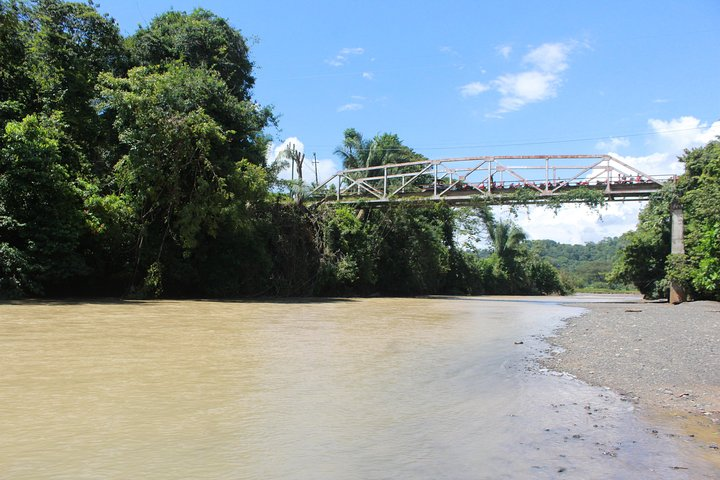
198	39
136	166
582	266
357	152
406	249
128	165
41	208
646	260
514	267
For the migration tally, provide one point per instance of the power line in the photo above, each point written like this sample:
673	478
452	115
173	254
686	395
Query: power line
568	140
519	143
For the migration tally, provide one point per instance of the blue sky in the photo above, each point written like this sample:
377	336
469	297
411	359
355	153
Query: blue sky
462	78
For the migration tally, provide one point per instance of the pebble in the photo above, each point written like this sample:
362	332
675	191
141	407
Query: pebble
596	347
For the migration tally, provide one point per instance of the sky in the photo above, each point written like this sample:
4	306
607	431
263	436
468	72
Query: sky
637	80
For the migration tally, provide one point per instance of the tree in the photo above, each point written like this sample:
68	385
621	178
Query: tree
646	261
349	252
414	256
13	71
296	159
511	267
383	149
192	154
355	150
41	207
587	265
199	39
700	187
642	260
68	45
507	240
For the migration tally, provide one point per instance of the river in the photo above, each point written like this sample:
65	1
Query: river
425	388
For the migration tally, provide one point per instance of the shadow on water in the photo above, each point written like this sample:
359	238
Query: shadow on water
127	301
545	300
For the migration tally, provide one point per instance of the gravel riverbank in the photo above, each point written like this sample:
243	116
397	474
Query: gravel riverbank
664	358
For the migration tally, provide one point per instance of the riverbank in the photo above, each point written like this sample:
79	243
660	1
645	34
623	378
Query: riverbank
663	358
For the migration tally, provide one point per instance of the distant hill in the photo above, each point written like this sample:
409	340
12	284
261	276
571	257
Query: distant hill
585	266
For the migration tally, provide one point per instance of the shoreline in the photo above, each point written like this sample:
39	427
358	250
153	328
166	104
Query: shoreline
663	358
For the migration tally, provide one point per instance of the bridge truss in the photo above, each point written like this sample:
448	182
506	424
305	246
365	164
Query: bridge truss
495	179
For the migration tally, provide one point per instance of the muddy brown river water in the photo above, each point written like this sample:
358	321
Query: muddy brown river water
438	388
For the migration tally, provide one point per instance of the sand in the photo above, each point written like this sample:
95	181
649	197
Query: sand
664	358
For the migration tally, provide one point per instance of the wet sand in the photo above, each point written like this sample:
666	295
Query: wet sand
663	358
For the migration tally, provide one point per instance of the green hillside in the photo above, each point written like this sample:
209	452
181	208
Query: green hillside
583	266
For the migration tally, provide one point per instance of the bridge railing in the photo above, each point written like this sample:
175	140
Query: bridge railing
460	178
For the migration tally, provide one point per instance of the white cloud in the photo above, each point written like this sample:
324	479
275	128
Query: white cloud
612	143
473	89
684	132
654	164
344	55
292	142
581	224
352	51
518	90
504	50
325	167
549	57
350	107
368	75
540	81
576	224
449	51
672	137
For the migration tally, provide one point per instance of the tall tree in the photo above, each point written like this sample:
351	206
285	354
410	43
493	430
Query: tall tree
69	44
700	189
355	150
646	260
188	141
41	206
507	239
383	149
199	39
13	69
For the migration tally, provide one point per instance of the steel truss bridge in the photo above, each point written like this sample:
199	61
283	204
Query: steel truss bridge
495	179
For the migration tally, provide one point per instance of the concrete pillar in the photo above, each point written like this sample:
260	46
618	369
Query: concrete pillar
677	246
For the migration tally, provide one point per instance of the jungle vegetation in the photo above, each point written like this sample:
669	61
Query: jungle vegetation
585	267
136	166
646	261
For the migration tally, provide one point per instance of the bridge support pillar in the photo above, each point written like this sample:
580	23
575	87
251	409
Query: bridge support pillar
677	246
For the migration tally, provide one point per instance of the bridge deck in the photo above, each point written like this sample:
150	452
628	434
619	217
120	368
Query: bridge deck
505	195
495	180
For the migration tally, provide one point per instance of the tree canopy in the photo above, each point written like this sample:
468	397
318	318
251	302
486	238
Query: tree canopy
136	166
198	39
646	260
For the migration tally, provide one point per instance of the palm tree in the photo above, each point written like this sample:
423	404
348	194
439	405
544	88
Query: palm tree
383	149
507	239
508	242
355	150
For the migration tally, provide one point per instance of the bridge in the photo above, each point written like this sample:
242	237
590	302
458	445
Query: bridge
493	179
